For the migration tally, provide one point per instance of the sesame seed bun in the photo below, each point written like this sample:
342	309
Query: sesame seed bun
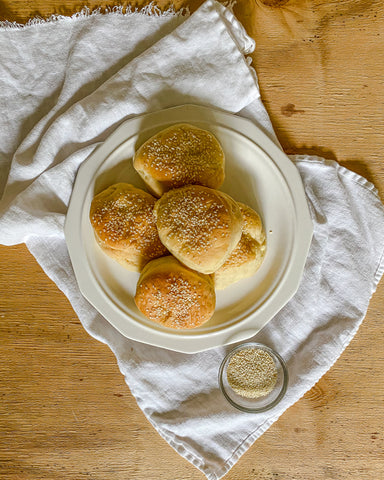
249	253
124	225
199	226
180	155
173	295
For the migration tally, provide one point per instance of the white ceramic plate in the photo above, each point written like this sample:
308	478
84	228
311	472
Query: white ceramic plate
258	173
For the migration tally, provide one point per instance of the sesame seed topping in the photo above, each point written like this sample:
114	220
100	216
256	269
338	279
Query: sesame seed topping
122	217
175	300
252	372
182	155
196	217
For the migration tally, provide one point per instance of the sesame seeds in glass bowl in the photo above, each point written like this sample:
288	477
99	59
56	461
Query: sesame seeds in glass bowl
253	377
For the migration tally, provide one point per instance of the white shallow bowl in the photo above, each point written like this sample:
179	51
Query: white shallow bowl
258	173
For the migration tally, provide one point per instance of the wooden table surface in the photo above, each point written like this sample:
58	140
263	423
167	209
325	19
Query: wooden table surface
65	411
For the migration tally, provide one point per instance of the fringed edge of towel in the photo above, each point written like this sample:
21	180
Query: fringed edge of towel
150	10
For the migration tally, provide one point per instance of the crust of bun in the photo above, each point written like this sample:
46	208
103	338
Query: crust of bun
125	227
199	226
173	295
180	155
249	253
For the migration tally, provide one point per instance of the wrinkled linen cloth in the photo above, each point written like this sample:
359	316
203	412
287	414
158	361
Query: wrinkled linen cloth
66	84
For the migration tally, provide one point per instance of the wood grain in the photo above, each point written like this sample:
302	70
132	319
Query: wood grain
65	411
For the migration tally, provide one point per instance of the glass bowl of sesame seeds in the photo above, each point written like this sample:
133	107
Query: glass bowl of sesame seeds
253	377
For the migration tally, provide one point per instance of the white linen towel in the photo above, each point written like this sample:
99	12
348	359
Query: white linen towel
65	85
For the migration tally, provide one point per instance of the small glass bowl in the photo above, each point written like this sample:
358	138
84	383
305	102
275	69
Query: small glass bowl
260	404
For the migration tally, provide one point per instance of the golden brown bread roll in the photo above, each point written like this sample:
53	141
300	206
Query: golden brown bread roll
180	155
124	225
249	253
173	295
199	226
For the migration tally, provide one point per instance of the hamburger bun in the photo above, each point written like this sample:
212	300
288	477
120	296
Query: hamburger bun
125	227
173	295
199	226
180	155
249	253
